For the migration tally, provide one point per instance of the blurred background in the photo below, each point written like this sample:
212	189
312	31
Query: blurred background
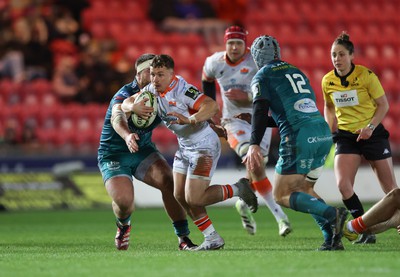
61	61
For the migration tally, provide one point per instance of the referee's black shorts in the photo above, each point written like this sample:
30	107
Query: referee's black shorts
377	147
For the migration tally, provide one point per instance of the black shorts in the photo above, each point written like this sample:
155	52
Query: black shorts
377	147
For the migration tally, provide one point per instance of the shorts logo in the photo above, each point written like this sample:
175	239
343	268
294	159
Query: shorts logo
317	139
113	165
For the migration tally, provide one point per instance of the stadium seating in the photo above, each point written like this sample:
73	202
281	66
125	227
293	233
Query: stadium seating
304	28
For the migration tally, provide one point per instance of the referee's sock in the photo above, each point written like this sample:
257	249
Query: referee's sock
353	204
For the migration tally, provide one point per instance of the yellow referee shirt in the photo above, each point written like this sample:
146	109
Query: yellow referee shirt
354	99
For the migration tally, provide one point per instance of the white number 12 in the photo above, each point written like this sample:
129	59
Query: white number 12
298	85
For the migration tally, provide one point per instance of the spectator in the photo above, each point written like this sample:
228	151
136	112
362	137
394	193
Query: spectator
65	80
186	16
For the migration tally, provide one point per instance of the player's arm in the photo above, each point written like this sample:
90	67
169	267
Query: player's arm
254	157
259	121
208	84
206	108
382	107
129	106
329	115
209	88
120	124
247	117
239	96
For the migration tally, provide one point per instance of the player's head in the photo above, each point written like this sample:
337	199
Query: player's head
265	49
162	72
142	66
342	53
235	39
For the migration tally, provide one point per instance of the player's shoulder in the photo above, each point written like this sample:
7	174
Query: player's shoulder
363	70
217	57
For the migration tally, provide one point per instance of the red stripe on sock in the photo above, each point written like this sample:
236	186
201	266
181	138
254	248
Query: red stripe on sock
203	223
224	192
358	225
230	191
227	192
263	187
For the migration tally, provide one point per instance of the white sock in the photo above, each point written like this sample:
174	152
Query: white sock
275	209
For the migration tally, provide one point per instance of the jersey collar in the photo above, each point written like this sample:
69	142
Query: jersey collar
170	87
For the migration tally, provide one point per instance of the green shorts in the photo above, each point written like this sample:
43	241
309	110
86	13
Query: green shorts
129	164
304	150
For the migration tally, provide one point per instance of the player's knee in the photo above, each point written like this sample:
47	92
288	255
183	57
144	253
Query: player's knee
395	193
124	204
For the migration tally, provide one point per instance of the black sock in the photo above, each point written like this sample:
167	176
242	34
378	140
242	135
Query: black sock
354	206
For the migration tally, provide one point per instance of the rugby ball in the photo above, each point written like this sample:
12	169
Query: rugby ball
152	102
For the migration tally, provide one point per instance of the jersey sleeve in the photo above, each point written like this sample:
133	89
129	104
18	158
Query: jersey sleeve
193	98
259	87
208	71
375	88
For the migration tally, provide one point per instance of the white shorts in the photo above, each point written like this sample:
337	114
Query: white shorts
198	161
239	133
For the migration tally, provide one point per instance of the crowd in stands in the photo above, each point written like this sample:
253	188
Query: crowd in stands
59	57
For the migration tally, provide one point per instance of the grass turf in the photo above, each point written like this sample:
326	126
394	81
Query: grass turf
80	243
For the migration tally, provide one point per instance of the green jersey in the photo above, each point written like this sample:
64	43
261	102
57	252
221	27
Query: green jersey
291	98
110	142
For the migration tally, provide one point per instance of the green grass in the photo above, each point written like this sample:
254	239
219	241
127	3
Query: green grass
80	243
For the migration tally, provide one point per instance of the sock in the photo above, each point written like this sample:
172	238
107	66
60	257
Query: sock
124	221
181	228
358	225
205	226
264	188
228	191
324	225
305	203
354	206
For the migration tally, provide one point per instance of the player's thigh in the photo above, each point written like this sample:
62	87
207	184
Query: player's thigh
159	174
346	167
120	189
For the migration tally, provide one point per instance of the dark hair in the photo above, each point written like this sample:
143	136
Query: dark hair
143	58
163	61
344	39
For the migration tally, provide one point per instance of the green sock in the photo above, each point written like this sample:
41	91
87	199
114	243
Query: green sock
324	225
181	228
305	203
124	221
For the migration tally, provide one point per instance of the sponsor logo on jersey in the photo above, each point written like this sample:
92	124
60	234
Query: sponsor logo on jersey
345	98
305	105
244	70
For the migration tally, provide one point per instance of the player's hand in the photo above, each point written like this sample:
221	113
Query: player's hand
130	141
236	94
364	133
180	119
219	130
254	158
244	116
141	110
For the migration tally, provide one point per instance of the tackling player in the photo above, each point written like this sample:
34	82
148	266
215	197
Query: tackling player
126	151
233	69
382	216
